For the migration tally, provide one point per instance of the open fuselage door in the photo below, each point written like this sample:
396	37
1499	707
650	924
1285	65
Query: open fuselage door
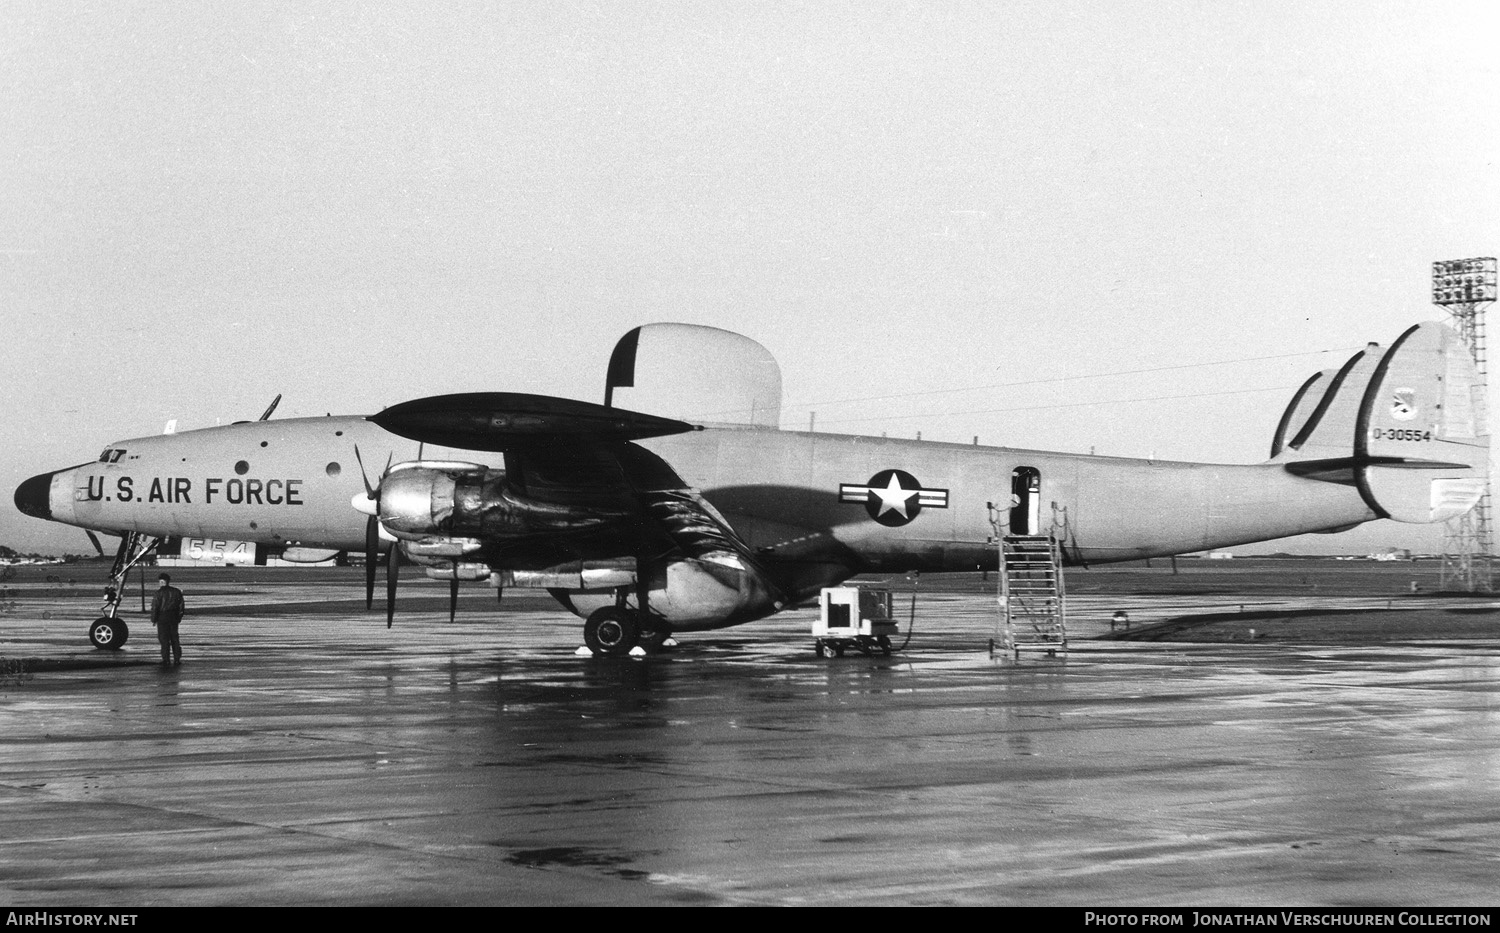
1025	501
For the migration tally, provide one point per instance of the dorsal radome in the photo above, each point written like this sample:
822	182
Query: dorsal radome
698	374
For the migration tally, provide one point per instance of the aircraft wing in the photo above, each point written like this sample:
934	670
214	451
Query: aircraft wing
576	503
497	421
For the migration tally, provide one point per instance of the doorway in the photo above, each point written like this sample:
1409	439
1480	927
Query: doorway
1025	501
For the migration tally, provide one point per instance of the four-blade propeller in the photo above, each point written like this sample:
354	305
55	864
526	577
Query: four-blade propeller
369	504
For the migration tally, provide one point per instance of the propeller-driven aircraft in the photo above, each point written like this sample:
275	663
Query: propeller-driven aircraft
679	505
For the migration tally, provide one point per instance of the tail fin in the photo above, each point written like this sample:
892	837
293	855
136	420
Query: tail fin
1408	426
1300	410
1321	421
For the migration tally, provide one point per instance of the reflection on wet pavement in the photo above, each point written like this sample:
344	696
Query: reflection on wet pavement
314	758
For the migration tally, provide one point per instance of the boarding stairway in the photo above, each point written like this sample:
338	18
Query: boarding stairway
1032	597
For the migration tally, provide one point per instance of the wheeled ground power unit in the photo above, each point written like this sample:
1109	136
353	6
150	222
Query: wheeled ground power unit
854	617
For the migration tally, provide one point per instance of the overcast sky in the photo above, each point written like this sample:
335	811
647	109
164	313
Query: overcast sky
353	204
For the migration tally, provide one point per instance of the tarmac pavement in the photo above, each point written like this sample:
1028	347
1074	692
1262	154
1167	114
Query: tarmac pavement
304	755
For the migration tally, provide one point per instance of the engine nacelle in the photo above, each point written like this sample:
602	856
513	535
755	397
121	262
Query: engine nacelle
422	499
692	594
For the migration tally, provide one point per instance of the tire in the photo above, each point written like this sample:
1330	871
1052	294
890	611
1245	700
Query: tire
109	634
611	632
883	642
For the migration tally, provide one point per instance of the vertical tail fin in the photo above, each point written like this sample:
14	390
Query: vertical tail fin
1297	412
1321	420
1424	429
1408	426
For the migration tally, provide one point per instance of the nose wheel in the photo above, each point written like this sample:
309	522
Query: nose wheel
109	634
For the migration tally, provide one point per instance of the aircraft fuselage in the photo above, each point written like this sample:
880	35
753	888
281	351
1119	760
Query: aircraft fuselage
883	503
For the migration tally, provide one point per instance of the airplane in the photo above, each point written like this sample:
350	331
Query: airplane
679	504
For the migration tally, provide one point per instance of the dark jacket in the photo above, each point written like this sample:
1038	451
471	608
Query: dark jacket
167	606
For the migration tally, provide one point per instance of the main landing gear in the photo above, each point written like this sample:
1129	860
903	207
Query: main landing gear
613	631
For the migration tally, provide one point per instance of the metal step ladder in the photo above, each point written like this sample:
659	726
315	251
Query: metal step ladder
1032	597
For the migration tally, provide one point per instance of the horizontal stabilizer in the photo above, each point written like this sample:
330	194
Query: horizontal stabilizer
1342	470
497	421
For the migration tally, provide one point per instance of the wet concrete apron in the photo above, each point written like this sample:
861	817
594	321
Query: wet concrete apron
312	758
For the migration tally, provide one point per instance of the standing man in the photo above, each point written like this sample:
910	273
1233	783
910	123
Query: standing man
166	615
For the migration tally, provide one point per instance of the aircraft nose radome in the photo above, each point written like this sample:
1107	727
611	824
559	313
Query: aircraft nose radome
32	496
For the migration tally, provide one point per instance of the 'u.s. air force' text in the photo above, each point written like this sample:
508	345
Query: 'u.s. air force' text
214	490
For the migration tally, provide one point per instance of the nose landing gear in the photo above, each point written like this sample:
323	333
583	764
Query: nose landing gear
110	632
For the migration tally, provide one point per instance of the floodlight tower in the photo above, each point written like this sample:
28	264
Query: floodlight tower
1464	288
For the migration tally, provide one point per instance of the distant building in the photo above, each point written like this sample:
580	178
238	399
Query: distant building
1220	555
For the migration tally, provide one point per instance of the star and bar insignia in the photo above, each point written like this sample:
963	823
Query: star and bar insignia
893	497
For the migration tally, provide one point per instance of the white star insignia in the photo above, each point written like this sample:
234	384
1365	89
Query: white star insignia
894	497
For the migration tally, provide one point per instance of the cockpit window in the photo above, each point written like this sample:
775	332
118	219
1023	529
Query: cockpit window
112	455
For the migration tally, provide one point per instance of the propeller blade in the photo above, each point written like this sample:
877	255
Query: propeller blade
372	556
393	572
453	596
370	505
369	490
95	539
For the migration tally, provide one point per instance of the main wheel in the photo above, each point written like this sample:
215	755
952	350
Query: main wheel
611	631
109	633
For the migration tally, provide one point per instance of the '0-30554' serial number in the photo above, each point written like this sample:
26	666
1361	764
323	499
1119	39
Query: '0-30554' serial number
1400	434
